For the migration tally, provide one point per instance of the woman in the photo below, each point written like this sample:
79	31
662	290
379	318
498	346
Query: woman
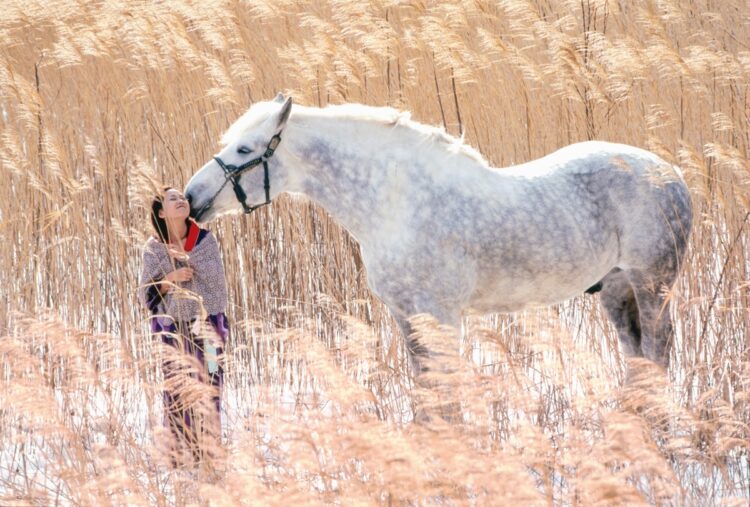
182	285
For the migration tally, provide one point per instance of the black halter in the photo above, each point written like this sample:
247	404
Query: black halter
233	173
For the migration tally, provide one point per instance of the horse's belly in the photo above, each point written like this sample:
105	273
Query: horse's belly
516	301
509	294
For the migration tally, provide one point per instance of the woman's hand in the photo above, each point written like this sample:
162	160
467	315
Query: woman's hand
180	275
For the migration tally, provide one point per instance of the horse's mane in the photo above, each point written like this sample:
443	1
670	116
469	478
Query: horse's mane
384	116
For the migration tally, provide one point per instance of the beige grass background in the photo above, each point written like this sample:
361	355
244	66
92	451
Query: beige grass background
98	100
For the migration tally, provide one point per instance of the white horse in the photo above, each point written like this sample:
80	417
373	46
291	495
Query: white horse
441	231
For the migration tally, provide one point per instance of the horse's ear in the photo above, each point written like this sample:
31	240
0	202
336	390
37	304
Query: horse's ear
279	98
283	114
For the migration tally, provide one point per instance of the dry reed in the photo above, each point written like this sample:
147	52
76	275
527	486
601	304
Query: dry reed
99	102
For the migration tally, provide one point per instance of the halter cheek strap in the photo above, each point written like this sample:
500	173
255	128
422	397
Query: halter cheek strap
239	192
233	173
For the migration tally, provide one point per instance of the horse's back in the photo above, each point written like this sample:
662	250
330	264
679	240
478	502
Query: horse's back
594	157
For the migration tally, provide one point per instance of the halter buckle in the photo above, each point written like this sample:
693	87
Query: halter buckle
272	145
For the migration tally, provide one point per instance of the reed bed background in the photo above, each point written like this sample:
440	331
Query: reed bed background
100	100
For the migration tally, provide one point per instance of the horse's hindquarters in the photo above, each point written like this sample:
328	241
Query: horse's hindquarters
657	229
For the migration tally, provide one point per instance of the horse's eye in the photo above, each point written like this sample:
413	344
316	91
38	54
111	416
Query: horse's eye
244	150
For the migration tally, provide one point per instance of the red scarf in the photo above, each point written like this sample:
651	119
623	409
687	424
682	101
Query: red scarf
192	237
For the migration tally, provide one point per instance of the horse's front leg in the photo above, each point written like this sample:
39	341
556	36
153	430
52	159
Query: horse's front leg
433	355
425	355
412	284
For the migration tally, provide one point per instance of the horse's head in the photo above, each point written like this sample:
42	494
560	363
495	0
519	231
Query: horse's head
246	173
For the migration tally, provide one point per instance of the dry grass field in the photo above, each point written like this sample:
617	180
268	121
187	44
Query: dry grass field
100	101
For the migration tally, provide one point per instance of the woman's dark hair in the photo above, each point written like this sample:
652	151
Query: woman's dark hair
160	225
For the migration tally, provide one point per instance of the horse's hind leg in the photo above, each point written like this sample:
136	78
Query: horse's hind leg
651	294
619	300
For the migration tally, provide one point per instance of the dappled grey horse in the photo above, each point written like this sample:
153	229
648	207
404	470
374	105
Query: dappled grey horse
441	231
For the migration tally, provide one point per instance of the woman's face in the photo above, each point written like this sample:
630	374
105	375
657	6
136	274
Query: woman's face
174	206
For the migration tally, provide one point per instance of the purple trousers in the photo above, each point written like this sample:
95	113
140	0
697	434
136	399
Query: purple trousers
182	417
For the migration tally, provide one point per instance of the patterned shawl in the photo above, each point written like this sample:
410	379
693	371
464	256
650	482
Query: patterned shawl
183	303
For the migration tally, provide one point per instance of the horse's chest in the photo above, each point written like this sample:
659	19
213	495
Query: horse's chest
398	271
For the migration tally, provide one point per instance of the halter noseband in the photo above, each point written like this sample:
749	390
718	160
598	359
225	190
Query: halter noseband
233	173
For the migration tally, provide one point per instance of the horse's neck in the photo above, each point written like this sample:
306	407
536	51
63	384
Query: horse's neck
342	181
359	173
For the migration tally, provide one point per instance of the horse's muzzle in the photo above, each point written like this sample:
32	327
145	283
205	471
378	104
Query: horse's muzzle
195	213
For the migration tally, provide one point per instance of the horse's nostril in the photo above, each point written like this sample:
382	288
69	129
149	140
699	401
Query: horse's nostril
190	205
